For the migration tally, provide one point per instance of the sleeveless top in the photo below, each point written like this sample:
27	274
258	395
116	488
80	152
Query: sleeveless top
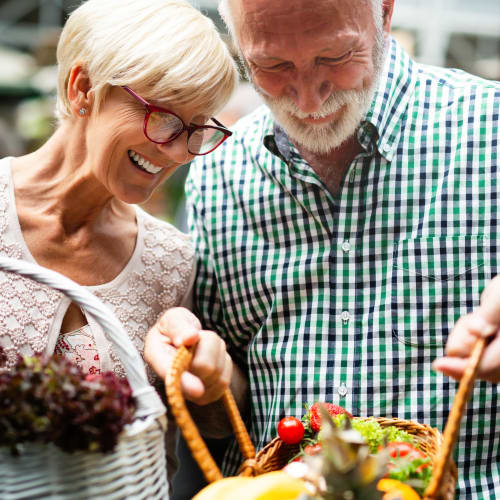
158	276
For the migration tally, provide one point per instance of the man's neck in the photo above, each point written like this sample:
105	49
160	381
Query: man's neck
331	167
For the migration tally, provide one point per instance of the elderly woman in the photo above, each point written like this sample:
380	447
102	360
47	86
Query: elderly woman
138	84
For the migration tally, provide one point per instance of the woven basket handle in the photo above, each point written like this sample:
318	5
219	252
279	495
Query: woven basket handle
453	424
189	430
148	401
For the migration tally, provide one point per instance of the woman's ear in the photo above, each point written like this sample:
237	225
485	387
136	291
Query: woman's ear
387	8
79	91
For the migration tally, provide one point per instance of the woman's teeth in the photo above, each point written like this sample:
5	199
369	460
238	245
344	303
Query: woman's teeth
142	163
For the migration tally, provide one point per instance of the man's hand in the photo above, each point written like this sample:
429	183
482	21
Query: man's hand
483	322
211	367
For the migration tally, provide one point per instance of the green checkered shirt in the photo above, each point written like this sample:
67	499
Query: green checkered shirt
349	299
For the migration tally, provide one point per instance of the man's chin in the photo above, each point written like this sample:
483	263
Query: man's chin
317	139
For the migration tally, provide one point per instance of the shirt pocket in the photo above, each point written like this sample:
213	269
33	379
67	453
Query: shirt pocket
434	281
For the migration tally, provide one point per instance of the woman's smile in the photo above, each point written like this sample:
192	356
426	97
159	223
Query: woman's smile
142	163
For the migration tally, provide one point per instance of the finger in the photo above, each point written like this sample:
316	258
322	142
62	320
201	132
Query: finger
215	391
227	373
489	368
490	304
180	325
208	358
192	387
158	352
450	366
218	382
463	336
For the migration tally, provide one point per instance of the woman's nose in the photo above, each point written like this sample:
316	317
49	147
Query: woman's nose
177	150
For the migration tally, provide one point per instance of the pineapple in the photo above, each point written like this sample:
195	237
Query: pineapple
350	472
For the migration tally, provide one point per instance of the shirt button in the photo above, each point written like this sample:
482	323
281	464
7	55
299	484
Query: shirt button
345	317
387	148
346	246
342	390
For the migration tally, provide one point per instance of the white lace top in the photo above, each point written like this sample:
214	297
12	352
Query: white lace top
159	275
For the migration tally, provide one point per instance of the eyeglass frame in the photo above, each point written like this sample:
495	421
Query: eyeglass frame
150	108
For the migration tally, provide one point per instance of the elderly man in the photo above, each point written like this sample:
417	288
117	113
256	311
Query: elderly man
345	228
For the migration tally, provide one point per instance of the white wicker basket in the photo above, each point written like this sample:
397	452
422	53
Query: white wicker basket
136	469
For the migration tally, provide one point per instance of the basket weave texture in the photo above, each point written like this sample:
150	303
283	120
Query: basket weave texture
276	454
136	468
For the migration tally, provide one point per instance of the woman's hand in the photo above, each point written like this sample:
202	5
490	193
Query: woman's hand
211	368
483	322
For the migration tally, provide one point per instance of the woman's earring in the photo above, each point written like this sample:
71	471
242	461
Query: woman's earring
82	111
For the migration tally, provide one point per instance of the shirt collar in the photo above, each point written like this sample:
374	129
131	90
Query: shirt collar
279	145
383	120
389	105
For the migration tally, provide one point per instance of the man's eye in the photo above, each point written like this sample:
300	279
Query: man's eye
278	67
335	60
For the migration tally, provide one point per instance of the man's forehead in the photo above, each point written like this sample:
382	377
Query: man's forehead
288	16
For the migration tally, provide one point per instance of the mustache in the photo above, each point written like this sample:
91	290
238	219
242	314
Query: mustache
335	101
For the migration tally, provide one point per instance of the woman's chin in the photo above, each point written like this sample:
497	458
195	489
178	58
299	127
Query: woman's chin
134	197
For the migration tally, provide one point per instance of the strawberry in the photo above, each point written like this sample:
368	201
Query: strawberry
312	449
315	415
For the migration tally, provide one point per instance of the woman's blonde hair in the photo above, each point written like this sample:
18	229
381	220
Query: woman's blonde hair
163	49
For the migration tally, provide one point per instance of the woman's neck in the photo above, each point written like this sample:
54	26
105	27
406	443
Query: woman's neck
56	181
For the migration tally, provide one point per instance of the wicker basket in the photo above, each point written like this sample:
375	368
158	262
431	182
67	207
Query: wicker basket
135	469
276	454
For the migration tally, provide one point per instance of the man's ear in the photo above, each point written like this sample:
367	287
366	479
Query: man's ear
79	90
387	8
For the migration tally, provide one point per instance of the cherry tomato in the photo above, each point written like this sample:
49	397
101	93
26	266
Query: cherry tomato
290	430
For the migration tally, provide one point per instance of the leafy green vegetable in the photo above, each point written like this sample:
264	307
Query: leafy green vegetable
395	434
373	433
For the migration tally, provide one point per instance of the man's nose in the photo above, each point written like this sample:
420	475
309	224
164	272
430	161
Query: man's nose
309	93
177	150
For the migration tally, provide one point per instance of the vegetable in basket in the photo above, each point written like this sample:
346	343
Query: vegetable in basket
358	457
54	402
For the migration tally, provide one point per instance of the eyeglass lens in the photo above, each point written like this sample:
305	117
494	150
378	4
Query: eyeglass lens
163	126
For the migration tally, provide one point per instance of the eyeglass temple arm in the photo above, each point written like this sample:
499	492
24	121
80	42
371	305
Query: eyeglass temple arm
217	122
136	96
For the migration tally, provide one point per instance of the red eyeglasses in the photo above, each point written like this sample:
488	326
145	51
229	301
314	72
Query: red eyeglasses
162	126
